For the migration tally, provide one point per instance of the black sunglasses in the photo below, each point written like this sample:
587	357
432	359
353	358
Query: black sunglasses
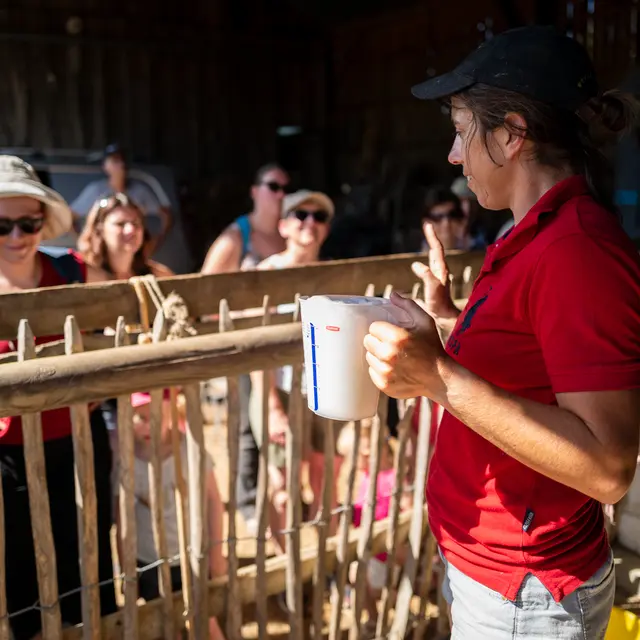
321	217
275	187
26	225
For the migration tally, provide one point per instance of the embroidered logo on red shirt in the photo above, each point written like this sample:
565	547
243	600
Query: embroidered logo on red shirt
453	344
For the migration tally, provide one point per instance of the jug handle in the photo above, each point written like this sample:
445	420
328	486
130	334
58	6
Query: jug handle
399	317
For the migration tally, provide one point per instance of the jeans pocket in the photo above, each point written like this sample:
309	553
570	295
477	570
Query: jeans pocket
600	579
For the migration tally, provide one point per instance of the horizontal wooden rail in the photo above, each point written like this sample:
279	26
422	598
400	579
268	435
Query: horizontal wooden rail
150	614
96	306
61	381
96	341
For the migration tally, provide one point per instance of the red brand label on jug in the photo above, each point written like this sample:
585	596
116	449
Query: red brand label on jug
330	328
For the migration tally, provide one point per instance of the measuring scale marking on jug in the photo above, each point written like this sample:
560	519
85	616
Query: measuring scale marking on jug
314	366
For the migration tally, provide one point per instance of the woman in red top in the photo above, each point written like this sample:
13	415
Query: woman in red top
30	213
540	376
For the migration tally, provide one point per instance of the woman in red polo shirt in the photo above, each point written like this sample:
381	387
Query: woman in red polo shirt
540	376
30	213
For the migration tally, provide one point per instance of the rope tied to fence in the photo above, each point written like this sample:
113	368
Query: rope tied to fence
173	307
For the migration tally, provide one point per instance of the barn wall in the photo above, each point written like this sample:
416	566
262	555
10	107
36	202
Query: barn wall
374	120
200	109
203	85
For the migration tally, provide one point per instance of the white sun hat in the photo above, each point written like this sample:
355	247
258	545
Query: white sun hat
294	200
18	178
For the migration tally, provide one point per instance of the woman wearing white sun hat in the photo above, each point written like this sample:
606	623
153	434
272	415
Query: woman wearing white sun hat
29	213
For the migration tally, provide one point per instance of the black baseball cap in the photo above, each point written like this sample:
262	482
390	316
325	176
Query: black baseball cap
114	149
535	61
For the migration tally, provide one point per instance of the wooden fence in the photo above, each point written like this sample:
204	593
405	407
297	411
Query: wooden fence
81	368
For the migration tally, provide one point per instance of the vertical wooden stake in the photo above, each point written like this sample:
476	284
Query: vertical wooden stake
319	576
127	524
394	511
426	573
198	521
343	539
182	510
378	432
262	498
234	610
39	504
405	592
86	499
156	493
294	515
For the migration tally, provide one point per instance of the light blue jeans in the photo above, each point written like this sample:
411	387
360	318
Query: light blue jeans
479	613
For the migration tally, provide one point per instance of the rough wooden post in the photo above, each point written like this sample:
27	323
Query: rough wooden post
405	591
343	540
198	524
320	573
294	515
182	509
5	633
368	514
45	554
156	493
127	524
234	610
262	498
426	575
86	498
394	512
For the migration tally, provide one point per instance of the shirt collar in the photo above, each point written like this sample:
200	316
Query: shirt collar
522	233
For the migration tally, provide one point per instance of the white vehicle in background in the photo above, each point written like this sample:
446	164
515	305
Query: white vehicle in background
69	172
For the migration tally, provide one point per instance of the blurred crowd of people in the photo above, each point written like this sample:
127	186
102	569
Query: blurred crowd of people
116	236
119	223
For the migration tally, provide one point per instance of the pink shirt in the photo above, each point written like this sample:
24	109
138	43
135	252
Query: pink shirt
385	487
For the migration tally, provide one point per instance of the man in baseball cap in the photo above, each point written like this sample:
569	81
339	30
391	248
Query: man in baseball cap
305	223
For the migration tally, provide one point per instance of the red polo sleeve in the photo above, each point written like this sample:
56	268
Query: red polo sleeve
584	305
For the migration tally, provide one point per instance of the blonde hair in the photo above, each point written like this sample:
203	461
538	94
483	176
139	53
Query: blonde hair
91	242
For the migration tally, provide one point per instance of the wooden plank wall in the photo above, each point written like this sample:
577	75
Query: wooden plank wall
179	104
204	86
177	91
375	123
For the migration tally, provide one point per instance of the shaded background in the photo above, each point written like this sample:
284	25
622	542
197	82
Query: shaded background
207	90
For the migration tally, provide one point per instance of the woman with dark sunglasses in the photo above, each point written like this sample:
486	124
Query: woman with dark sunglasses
29	213
305	225
242	245
253	236
443	211
540	374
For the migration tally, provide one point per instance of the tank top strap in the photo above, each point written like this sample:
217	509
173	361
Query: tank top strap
244	226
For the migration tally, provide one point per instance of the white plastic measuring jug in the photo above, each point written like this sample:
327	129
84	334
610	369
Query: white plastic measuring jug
336	371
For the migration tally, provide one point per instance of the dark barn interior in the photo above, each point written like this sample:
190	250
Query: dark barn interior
214	89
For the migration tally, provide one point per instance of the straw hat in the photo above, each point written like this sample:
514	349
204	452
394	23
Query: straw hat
18	178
